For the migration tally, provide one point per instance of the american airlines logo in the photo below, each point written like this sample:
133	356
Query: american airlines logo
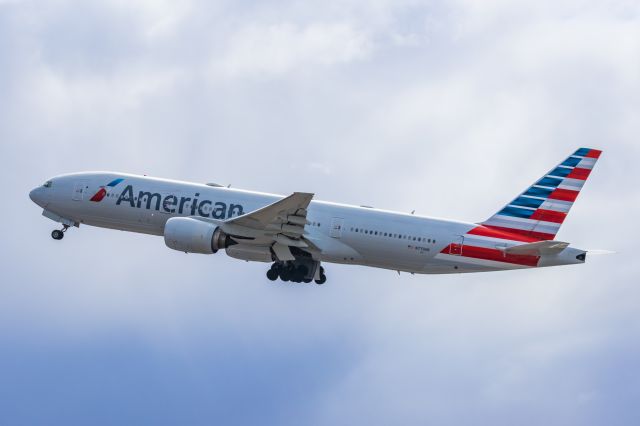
102	192
170	203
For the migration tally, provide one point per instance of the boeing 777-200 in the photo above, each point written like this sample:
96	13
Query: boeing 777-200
297	233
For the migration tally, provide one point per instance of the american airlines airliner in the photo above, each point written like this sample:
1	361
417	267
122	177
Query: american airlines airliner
296	233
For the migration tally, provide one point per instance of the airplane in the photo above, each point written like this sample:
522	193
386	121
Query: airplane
296	234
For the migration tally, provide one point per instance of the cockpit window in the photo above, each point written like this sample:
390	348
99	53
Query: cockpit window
47	184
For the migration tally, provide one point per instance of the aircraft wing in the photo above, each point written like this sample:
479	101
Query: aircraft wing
539	248
280	225
290	210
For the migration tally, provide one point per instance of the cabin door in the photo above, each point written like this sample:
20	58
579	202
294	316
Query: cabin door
456	246
337	224
79	189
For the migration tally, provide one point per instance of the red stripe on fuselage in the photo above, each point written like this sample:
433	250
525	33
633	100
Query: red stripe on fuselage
578	173
495	255
564	195
548	216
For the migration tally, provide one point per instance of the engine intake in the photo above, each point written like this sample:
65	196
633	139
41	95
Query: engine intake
195	236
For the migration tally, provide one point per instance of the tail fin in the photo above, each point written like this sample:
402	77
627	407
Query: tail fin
540	210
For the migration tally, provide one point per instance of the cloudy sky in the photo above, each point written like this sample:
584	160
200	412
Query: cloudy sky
446	107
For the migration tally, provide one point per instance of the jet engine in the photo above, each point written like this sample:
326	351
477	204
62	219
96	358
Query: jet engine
195	236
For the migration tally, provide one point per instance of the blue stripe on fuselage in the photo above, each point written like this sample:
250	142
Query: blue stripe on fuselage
115	182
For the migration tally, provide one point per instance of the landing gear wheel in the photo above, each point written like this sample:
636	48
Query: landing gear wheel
57	234
323	277
285	274
272	274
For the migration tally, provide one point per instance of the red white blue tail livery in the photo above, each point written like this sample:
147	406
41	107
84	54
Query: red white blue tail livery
540	210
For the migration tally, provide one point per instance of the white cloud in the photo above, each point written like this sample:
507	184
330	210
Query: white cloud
280	48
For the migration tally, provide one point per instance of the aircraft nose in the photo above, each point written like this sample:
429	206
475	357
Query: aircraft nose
37	196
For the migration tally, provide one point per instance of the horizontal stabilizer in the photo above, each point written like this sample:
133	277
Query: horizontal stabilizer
539	248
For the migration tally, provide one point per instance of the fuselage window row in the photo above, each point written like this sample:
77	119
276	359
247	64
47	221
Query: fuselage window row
390	235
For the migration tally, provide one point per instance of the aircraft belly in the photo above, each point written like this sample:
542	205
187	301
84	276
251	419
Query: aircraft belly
403	257
455	264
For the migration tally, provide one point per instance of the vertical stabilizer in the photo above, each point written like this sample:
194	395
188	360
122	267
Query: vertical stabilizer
540	210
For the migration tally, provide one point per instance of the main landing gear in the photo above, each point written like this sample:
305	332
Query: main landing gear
58	234
297	272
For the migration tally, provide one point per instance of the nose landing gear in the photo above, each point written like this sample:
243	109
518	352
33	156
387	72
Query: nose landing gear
58	234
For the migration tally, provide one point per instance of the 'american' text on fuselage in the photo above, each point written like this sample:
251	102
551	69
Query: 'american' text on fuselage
174	204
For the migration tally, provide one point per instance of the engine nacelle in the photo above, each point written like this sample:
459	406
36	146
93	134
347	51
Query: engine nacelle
194	236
